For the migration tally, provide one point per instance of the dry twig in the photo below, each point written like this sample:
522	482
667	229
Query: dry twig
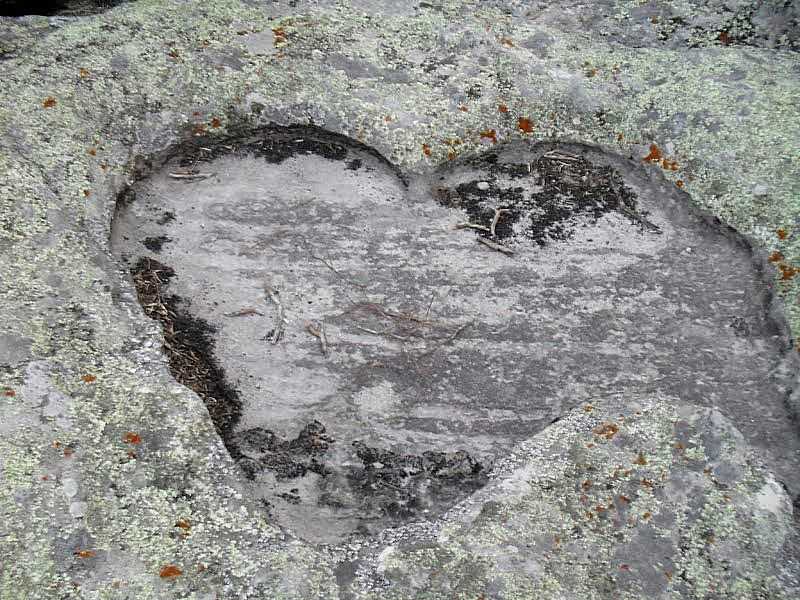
472	226
244	312
557	155
498	212
274	296
189	175
386	333
318	331
335	271
495	246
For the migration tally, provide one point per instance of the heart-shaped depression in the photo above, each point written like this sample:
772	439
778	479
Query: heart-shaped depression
367	347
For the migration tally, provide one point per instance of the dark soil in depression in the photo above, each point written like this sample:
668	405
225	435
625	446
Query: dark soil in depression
571	190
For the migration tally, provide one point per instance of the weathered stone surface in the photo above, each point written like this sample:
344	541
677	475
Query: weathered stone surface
113	480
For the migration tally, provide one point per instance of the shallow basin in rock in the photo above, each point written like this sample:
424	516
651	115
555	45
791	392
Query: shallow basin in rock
369	343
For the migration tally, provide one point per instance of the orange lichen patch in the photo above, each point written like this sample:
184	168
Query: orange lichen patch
198	129
490	134
624	499
507	42
92	152
655	154
775	257
788	271
85	553
669	164
426	150
640	460
724	38
49	102
586	484
525	125
679	183
216	123
782	233
679	446
647	516
451	155
502	108
606	430
132	438
183	524
88	378
84	73
463	108
169	571
9	393
280	36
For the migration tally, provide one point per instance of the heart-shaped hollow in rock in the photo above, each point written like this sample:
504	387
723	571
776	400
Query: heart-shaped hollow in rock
367	347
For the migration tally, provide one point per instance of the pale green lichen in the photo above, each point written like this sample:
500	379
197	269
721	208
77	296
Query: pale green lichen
121	113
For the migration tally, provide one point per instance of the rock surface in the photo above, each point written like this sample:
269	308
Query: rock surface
114	480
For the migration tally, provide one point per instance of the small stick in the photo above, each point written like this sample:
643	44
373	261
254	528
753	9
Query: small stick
560	155
189	176
449	340
272	294
498	212
373	332
646	224
245	312
457	333
471	226
338	274
318	331
495	246
430	304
